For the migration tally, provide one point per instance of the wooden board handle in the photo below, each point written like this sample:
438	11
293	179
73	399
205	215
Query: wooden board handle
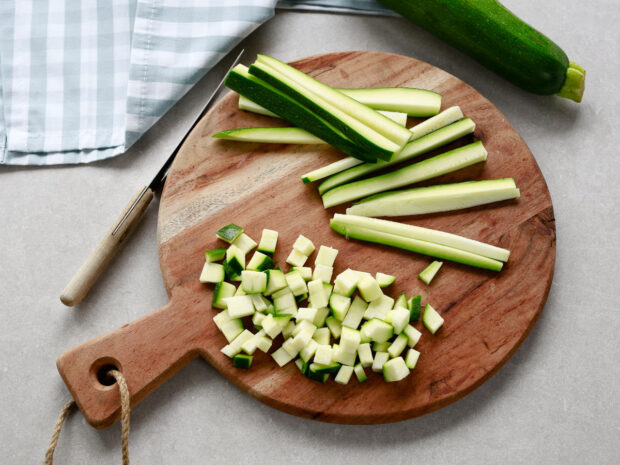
147	351
99	258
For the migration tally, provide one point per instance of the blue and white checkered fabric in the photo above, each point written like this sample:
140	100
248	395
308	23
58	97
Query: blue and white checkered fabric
82	80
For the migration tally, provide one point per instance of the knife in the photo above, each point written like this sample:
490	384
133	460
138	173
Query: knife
99	258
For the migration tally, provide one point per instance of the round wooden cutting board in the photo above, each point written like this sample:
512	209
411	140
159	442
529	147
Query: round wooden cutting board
214	182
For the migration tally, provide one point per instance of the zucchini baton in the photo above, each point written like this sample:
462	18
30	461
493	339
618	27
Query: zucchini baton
490	33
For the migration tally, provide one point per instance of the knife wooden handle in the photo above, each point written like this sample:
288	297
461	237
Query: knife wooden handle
98	259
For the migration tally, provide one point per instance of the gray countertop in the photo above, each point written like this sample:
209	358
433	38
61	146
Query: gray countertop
555	401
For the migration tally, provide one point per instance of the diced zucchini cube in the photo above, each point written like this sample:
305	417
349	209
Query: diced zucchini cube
261	304
257	319
245	243
334	325
400	319
318	299
242	361
411	360
415	308
233	269
365	354
296	283
306	314
323	354
287	331
431	319
339	305
253	282
369	289
401	301
264	344
221	292
385	280
360	373
215	255
304	325
268	241
322	336
308	351
260	262
299	342
427	275
379	360
240	291
342	356
413	335
315	376
304	245
304	271
355	314
350	339
275	281
326	256
323	273
395	370
378	330
323	368
296	258
234	347
397	347
303	366
284	302
379	308
229	233
380	346
271	326
321	314
282	357
230	327
239	306
344	374
345	283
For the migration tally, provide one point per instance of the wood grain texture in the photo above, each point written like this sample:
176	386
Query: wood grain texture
214	182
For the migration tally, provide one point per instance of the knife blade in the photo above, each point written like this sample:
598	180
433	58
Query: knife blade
99	258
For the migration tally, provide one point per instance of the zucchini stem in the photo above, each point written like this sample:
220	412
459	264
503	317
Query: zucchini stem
575	82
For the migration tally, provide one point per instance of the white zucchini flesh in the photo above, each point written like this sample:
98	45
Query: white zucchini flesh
425	234
438	198
444	118
326	256
268	241
415	102
270	135
438	165
353	128
355	314
344	374
395	370
385	280
212	273
413	149
431	319
367	116
331	169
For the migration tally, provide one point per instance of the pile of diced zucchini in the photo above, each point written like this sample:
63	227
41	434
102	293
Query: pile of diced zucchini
328	327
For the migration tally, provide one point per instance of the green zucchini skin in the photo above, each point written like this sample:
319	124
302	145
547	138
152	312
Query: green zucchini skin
490	33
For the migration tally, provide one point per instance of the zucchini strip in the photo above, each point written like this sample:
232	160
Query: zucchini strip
439	198
438	165
431	249
423	234
248	105
267	96
413	149
270	135
420	103
366	115
364	136
439	121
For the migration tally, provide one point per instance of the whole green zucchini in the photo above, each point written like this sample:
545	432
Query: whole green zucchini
488	32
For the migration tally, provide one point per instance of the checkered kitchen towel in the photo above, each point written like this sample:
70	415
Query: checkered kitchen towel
82	80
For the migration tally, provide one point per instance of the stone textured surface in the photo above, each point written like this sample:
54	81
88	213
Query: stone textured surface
555	401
